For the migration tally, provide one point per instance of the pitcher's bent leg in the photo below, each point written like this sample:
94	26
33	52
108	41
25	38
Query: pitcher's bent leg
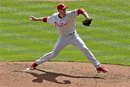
60	44
46	57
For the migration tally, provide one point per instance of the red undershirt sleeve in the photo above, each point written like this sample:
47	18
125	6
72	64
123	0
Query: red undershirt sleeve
44	19
80	11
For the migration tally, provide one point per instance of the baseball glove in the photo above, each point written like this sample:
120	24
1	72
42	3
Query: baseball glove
87	22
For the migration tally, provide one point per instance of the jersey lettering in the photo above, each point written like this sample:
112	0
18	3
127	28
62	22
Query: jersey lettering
61	24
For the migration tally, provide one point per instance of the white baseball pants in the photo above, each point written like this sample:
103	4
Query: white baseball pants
63	41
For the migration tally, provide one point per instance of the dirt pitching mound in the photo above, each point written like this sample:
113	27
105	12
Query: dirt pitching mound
62	74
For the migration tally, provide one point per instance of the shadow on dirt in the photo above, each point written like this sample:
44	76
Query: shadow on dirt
51	76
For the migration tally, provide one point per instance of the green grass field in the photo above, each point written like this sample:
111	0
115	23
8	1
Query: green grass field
23	40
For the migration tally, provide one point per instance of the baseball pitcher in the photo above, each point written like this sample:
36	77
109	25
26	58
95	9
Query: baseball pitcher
64	21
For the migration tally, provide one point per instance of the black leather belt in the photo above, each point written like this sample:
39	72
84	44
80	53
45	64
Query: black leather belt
71	33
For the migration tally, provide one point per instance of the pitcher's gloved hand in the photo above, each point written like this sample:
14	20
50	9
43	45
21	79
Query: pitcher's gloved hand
87	22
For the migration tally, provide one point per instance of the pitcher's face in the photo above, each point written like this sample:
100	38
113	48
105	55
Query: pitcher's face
62	12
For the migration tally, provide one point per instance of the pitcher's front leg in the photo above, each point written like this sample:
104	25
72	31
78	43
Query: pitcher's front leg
60	44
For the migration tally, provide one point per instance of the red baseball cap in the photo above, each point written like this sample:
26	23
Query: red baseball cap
61	6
